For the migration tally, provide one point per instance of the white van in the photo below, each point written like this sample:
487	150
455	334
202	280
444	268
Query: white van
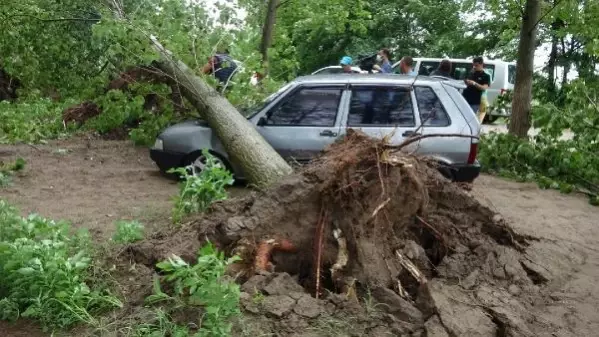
503	77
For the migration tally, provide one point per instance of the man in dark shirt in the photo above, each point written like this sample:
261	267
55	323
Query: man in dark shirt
477	81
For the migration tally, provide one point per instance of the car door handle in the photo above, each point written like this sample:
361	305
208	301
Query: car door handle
410	133
328	133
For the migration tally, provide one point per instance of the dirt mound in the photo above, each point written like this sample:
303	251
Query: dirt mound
81	112
365	216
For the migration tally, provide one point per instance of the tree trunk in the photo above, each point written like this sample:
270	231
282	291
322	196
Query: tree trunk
553	55
267	31
521	103
261	164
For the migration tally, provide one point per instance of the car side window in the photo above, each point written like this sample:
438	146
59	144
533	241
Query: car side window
381	106
307	107
432	112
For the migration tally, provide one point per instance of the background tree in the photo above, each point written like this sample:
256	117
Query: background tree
521	103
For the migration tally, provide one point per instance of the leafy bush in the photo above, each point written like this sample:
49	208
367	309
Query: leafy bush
549	158
200	189
45	270
128	232
203	285
31	120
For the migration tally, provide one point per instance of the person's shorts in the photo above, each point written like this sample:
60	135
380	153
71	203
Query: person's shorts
475	107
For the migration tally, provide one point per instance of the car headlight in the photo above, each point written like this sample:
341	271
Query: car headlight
158	145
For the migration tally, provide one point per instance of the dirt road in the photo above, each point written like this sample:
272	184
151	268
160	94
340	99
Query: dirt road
569	251
94	183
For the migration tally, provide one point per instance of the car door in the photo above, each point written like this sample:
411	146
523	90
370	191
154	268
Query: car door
381	110
304	122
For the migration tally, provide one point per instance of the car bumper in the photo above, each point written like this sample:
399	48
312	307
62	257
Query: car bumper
166	160
466	173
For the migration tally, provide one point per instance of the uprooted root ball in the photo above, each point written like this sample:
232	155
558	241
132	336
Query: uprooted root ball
395	217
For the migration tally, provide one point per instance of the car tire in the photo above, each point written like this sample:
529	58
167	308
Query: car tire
445	171
197	158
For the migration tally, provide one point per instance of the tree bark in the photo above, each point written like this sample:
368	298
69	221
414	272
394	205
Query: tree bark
261	164
521	103
553	55
267	31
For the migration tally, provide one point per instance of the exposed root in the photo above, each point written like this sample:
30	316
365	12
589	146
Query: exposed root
263	255
410	267
318	241
262	261
342	256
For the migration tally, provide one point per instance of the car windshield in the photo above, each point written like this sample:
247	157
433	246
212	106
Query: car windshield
253	110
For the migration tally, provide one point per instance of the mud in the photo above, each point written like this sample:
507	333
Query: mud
93	182
386	205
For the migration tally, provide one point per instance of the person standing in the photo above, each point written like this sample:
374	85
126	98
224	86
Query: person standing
444	69
384	58
406	66
477	81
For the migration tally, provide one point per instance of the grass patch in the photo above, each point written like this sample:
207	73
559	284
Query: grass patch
128	232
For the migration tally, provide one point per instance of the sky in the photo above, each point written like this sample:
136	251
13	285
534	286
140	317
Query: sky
541	54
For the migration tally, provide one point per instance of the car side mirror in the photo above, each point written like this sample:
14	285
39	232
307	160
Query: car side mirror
261	121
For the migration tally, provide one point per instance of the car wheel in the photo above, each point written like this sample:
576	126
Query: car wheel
445	171
196	161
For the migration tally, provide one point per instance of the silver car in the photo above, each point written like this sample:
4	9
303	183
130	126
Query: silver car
311	112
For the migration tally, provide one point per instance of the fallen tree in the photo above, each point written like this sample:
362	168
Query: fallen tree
261	164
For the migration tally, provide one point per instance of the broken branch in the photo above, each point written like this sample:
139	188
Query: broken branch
418	138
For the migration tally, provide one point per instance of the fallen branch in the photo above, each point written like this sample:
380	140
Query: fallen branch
418	138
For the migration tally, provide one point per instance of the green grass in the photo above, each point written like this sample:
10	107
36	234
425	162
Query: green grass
45	272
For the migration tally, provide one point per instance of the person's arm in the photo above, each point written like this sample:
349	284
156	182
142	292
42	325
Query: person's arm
208	67
485	85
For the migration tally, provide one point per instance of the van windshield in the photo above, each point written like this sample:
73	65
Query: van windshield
511	74
459	70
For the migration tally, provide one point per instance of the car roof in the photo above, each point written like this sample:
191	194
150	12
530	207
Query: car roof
486	61
378	78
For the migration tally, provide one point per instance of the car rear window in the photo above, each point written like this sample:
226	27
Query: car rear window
381	106
511	74
432	112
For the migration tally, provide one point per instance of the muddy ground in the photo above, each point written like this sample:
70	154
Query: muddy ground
93	183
